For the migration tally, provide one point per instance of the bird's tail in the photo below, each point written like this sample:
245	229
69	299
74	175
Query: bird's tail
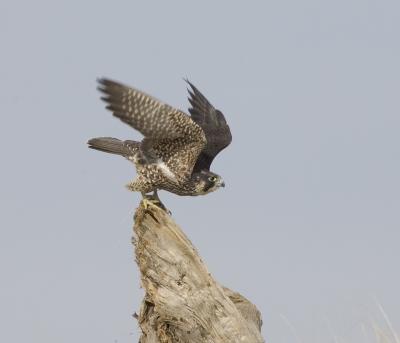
114	146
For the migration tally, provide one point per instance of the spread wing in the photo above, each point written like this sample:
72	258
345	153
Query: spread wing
214	125
154	119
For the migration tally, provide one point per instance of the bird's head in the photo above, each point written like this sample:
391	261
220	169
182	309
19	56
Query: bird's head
206	182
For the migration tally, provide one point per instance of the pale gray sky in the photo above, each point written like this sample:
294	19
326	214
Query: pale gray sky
308	225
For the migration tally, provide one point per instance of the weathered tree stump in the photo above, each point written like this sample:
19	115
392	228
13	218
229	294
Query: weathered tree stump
183	302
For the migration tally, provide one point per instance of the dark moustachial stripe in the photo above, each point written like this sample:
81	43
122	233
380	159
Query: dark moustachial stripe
208	186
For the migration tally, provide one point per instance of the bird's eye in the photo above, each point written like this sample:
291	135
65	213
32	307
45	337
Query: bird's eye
212	178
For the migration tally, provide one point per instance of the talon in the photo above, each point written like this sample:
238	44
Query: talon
153	200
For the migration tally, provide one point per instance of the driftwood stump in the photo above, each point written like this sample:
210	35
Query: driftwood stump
183	302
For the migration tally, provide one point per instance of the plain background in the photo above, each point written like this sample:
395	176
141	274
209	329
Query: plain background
308	225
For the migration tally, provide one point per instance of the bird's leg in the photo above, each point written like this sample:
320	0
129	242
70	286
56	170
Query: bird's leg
159	203
147	200
137	185
153	199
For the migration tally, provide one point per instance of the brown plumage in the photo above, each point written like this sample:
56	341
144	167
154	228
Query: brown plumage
177	150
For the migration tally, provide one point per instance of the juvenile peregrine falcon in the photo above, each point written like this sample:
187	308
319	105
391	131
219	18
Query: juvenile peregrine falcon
177	150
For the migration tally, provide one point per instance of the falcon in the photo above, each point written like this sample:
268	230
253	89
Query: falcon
177	149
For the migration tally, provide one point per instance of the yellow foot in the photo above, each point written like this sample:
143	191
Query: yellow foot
148	201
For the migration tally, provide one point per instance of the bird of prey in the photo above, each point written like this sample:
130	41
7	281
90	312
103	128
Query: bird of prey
177	149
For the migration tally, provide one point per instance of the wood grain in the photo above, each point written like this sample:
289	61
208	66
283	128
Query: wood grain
183	302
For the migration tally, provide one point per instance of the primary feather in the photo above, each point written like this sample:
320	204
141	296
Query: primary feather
213	123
